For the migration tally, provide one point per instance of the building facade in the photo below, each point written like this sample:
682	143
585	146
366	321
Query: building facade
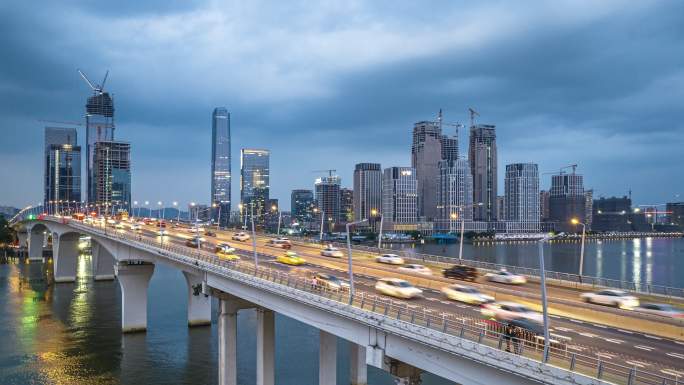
482	155
567	200
500	208
112	174
675	213
328	199
612	214
220	166
454	195
99	128
400	198
544	205
522	193
254	183
302	205
62	176
367	191
346	205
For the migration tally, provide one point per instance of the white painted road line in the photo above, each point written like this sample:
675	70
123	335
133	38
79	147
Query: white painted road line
626	331
676	355
605	355
614	341
653	337
567	330
672	372
588	335
638	364
600	326
576	321
642	347
575	347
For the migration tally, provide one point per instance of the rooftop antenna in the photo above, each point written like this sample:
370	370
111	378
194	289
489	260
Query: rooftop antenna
473	114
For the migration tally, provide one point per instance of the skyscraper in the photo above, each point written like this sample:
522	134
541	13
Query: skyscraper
400	198
62	177
254	182
346	205
428	148
328	198
220	165
112	172
454	194
567	200
544	196
367	190
99	128
482	157
522	194
301	205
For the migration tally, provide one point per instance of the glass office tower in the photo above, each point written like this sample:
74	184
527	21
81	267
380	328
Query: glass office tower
254	183
220	165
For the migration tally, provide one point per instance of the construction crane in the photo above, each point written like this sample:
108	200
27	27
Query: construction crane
440	122
97	88
561	172
473	114
60	122
330	171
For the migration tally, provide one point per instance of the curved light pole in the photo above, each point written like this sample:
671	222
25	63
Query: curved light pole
455	216
320	235
175	205
374	212
349	258
280	216
576	222
542	278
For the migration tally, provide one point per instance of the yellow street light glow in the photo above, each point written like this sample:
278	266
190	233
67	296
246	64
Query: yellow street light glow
274	208
454	215
374	212
575	221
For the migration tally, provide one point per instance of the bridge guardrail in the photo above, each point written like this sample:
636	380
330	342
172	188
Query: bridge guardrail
566	279
487	332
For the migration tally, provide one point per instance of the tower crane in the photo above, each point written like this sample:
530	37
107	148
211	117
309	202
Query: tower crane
561	172
330	171
473	114
440	122
97	88
60	122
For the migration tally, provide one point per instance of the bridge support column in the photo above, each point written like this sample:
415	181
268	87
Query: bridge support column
403	373
227	334
265	347
327	359
134	280
65	256
22	237
199	304
357	366
103	263
36	242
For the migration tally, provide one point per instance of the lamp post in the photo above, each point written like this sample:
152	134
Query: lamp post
280	216
175	205
576	222
256	260
455	216
374	212
545	313
349	258
147	204
135	203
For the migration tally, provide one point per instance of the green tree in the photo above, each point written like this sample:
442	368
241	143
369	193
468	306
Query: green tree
6	232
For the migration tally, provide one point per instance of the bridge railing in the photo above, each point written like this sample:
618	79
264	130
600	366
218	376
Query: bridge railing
563	279
581	359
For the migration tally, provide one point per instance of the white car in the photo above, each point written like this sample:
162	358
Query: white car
415	268
467	294
504	276
610	297
661	309
506	311
399	288
241	236
135	227
391	259
281	243
332	251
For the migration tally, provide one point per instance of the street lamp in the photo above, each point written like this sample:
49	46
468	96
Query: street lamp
576	222
256	260
218	218
545	313
455	216
135	203
374	212
320	236
175	205
147	204
280	216
349	258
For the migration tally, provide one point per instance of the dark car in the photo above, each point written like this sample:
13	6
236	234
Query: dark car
466	273
209	233
192	243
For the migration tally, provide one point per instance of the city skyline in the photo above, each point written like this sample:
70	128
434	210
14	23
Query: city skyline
610	119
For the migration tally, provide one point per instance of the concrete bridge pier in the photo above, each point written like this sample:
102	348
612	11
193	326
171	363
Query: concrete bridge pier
22	237
65	256
403	373
36	243
199	304
227	334
357	364
327	359
103	263
134	280
265	363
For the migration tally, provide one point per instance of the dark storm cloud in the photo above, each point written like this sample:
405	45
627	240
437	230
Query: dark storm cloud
565	82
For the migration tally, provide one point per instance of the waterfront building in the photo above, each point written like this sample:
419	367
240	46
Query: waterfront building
567	200
302	205
220	165
522	193
112	174
199	212
500	208
346	205
254	183
367	190
454	195
99	128
612	214
675	213
400	198
482	155
328	197
62	174
544	204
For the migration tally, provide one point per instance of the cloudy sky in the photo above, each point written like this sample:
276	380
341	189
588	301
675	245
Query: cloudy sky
329	84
